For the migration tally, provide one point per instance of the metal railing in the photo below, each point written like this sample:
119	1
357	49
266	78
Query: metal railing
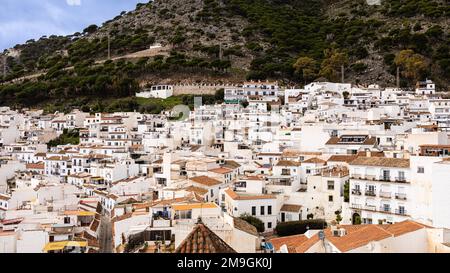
370	207
400	196
370	193
400	211
385	194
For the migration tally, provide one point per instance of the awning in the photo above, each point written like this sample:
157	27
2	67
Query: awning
80	213
63	244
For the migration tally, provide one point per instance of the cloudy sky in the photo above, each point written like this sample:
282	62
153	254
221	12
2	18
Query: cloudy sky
21	20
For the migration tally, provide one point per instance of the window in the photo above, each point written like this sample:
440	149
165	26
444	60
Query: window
183	214
262	210
212	193
269	210
330	198
401	175
330	185
420	170
253	211
269	225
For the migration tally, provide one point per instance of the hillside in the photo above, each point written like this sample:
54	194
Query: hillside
231	41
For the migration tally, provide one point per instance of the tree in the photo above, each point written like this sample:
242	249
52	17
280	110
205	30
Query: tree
413	65
244	103
346	191
338	216
306	68
90	29
299	227
331	65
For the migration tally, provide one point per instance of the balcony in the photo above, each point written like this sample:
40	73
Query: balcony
384	194
385	178
158	223
356	206
356	192
382	178
400	196
370	193
400	212
370	207
400	179
278	181
385	209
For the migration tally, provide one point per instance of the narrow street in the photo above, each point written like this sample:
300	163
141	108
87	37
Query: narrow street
105	236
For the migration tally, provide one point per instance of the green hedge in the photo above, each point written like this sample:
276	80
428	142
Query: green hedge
299	227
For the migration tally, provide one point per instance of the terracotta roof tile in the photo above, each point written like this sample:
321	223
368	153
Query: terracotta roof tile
205	180
203	240
381	162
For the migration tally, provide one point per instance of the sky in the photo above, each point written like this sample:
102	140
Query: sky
21	20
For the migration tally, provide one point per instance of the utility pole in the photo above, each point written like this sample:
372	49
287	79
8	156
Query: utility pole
109	46
220	52
398	77
342	73
4	66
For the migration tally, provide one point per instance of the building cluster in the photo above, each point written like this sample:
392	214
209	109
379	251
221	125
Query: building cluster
373	163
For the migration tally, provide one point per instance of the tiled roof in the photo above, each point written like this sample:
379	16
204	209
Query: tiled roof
205	180
336	141
221	170
315	160
197	190
381	162
404	227
342	158
288	163
245	227
235	196
360	235
203	240
4	197
40	166
290	241
291	208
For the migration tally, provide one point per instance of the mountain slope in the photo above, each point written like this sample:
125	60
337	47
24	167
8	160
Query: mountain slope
234	40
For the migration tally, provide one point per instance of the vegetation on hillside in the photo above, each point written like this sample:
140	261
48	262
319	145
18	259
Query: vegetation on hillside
289	40
67	137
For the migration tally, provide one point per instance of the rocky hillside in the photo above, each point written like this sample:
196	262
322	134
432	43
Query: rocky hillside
294	41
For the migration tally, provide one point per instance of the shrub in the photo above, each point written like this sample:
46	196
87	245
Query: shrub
257	223
299	227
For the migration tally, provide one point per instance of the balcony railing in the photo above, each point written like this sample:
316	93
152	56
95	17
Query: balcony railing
385	209
385	194
400	196
371	207
356	192
385	178
356	206
382	178
370	193
400	179
400	211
